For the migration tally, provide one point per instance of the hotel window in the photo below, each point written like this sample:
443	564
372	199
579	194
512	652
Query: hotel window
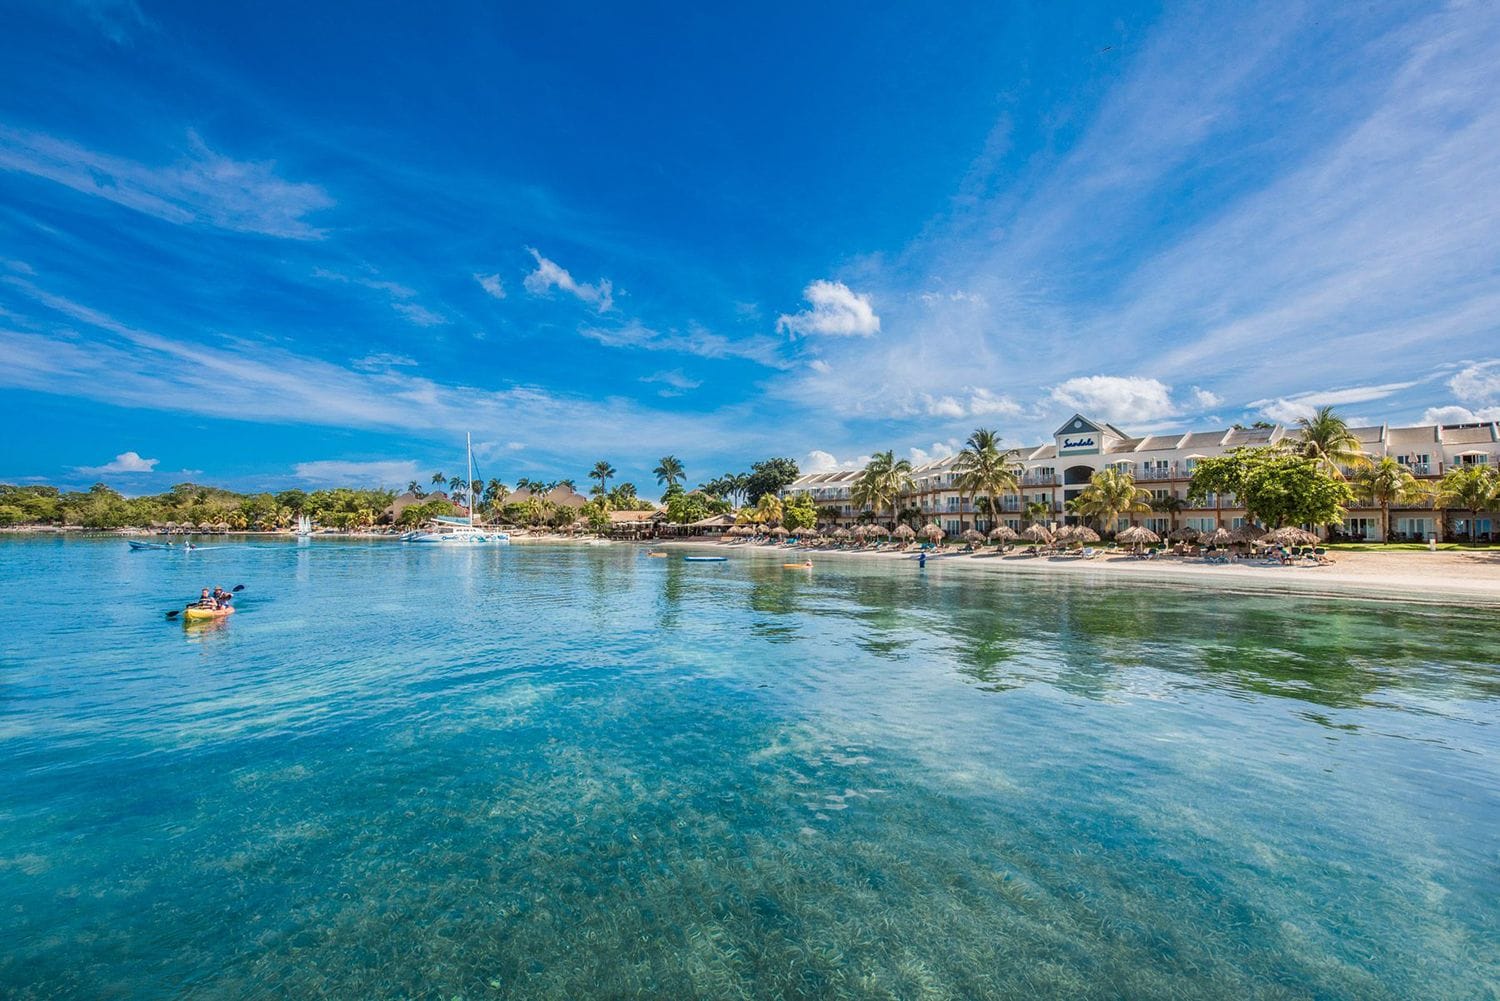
953	503
952	527
1160	495
1472	459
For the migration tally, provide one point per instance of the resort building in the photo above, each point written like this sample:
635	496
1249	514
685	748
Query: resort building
1054	473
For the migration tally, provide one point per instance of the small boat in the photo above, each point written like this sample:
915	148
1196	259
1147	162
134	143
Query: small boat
458	531
796	566
138	546
705	559
657	556
205	614
304	526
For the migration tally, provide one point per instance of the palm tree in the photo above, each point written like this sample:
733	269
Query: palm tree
1110	494
1325	437
439	479
1468	488
769	509
668	471
1037	512
1388	482
571	484
602	472
983	468
414	488
884	480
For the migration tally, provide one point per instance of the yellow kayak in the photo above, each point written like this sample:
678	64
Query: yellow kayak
204	614
797	566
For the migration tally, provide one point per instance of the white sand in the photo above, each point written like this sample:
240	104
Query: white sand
1440	577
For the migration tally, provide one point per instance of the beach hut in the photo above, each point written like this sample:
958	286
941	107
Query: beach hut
1037	534
1290	536
1138	535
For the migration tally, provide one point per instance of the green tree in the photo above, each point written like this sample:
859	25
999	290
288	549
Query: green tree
798	512
769	509
1468	488
1171	505
668	471
603	472
1111	494
770	476
1038	512
984	469
1275	486
882	483
1326	439
1385	483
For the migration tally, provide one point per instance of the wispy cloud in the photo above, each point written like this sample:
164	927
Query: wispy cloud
125	462
1292	408
201	188
379	473
550	275
399	297
837	311
674	380
695	341
492	285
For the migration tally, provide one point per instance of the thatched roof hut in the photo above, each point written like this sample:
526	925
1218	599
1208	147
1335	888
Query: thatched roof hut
1248	533
973	536
1184	534
1037	533
932	531
905	533
1218	537
1002	533
1137	535
1290	536
1083	534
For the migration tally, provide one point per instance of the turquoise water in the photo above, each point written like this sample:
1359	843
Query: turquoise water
577	772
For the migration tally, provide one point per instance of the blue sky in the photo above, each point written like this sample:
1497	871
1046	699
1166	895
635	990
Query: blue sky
288	245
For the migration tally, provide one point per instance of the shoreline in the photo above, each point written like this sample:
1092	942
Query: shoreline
1427	578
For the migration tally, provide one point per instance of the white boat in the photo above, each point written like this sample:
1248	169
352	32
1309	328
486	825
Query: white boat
459	531
304	525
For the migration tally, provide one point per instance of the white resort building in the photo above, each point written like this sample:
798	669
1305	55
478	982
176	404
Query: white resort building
1054	473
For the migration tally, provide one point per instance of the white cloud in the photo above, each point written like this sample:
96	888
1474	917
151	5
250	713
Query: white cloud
1289	410
837	311
399	296
382	360
550	275
125	462
1116	398
1477	383
819	461
1459	415
676	382
492	285
339	473
956	296
983	403
1205	400
201	188
937	450
820	366
696	341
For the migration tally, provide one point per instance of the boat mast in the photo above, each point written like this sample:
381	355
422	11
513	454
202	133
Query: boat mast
469	439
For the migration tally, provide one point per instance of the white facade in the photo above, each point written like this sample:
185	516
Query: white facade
1054	473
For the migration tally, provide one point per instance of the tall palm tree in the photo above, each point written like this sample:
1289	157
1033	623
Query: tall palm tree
570	483
439	479
881	485
1171	505
1468	488
1388	482
769	509
414	488
983	468
1110	494
1326	438
602	472
1037	512
668	471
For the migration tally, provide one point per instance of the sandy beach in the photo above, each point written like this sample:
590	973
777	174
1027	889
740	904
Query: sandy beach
1429	577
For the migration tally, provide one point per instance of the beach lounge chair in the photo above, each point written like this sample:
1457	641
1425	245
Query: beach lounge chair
1090	553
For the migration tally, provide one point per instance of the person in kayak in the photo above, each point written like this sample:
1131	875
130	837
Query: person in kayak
206	600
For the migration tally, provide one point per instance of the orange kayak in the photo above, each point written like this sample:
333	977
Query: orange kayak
204	614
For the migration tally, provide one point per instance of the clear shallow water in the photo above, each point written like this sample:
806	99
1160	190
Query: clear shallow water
565	773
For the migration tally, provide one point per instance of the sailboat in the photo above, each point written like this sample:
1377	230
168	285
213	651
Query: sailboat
304	525
459	531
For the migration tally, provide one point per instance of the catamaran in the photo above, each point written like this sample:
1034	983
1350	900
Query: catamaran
459	531
304	526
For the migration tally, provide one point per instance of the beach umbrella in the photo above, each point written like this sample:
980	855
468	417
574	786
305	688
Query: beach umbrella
1218	537
1002	534
1064	533
932	531
973	535
1185	534
1136	535
1037	533
905	533
841	533
876	531
1083	534
780	532
1248	533
1290	536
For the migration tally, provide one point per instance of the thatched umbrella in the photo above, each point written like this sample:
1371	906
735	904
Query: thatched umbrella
1083	534
1064	533
973	535
1137	535
905	533
1290	536
1038	534
1218	537
1002	534
780	532
1248	533
1185	534
932	532
877	531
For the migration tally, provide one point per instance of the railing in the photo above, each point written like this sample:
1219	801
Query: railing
1038	480
1157	473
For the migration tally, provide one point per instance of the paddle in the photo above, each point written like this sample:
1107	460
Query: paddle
178	611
